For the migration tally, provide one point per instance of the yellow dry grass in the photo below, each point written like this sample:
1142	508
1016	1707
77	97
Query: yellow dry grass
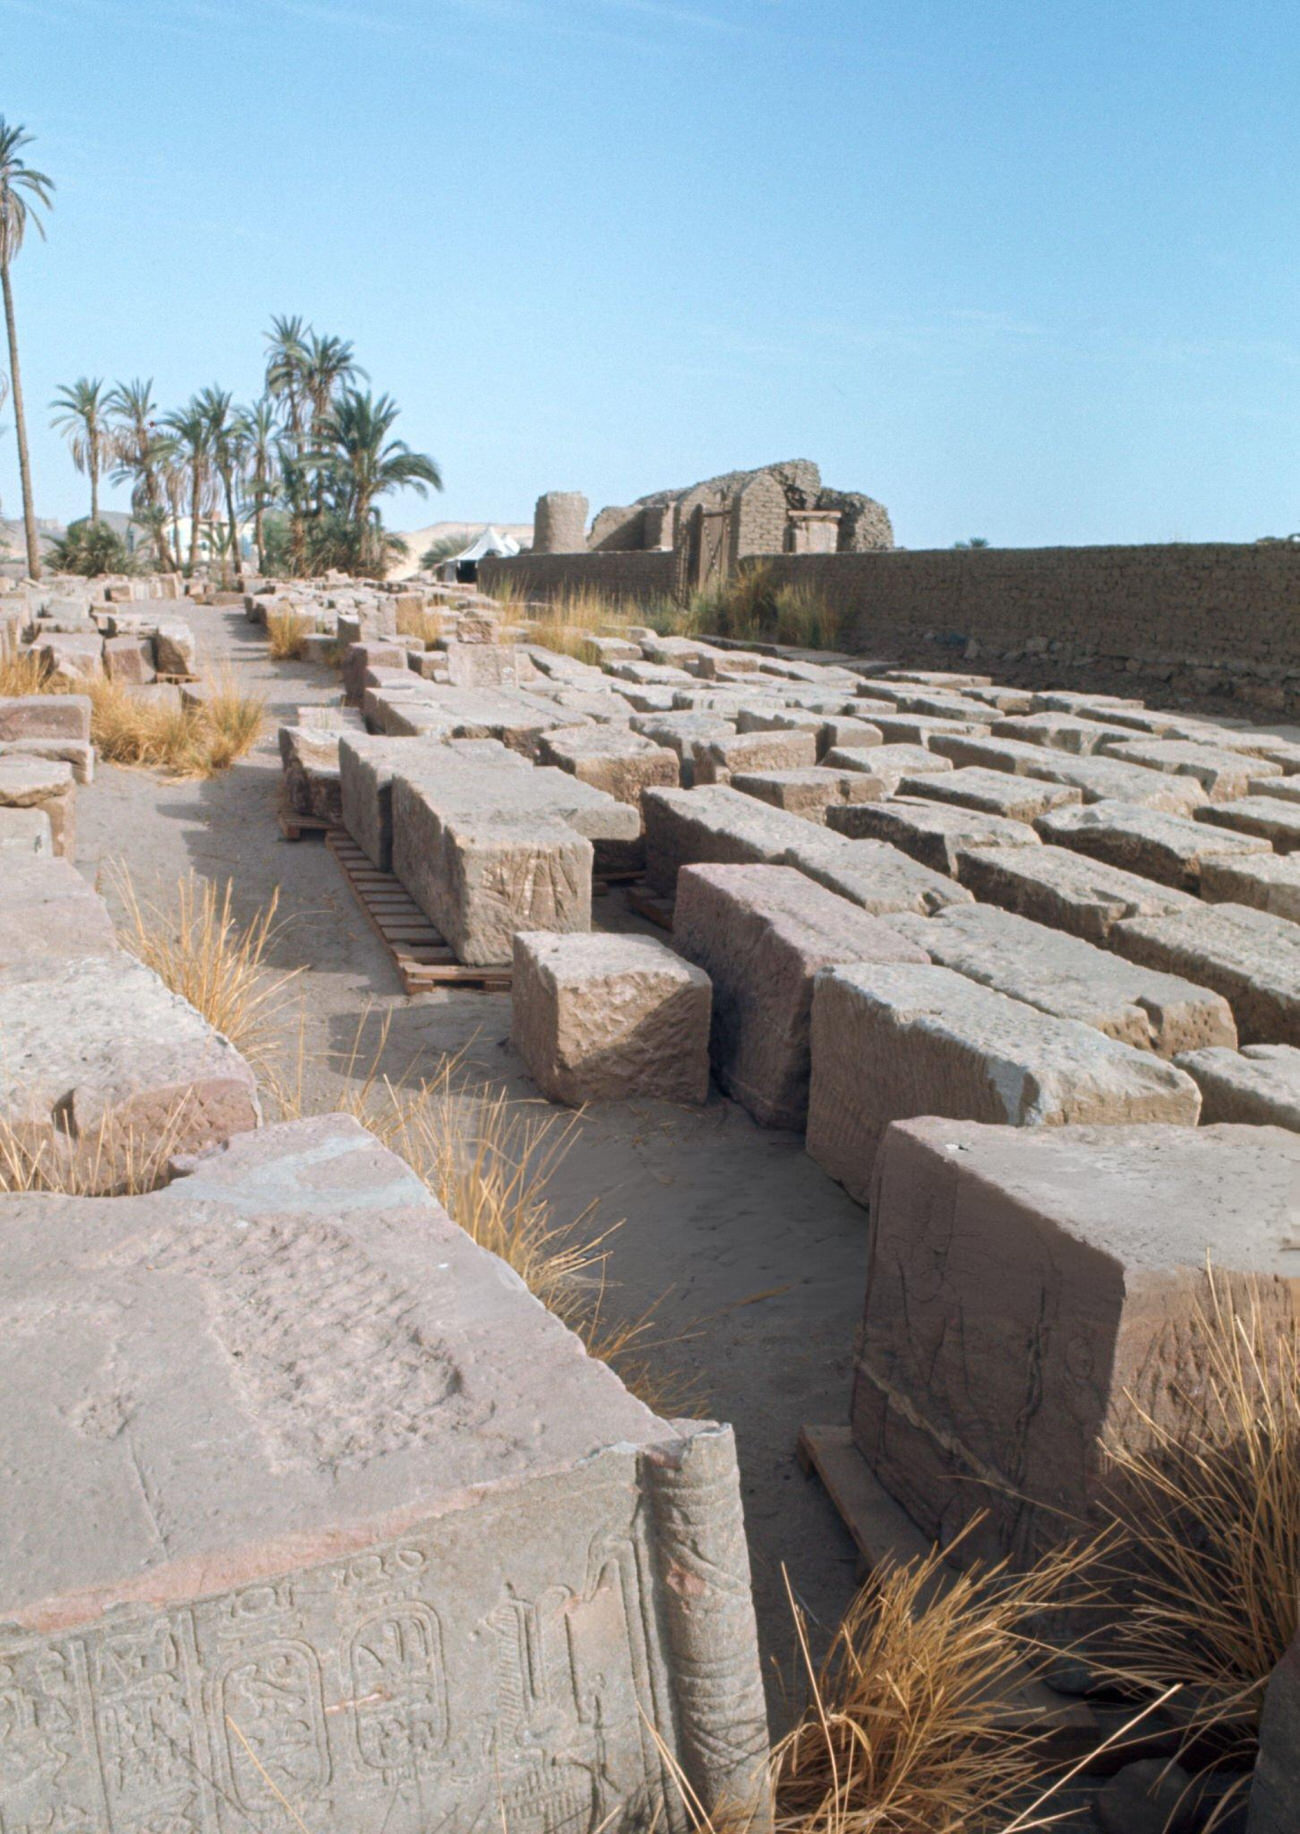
196	740
567	624
21	674
112	1161
420	622
752	607
193	942
286	634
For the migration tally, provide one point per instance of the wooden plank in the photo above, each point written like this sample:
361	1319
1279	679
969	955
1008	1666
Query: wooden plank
647	904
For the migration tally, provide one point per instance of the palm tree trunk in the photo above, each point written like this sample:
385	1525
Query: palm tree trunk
234	528
20	423
258	515
195	502
94	491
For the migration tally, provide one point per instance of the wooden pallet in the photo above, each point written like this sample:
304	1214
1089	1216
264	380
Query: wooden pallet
294	826
422	956
651	905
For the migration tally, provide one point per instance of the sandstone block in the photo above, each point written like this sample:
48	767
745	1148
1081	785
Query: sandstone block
480	665
1271	820
899	728
714	824
761	933
129	659
44	716
1063	975
312	785
517	719
1067	890
607	1018
79	753
174	648
933	833
1059	731
70	658
880	878
48	910
890	1042
1258	1086
1223	775
1267	880
1146	841
1096	778
620	762
888	764
366	1529
992	792
42	783
807	792
718	760
360	658
1024	1283
1247	955
25	834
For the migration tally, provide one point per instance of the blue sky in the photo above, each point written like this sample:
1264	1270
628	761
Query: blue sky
1025	269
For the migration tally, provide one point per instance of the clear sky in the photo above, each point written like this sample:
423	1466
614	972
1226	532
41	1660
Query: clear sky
1025	269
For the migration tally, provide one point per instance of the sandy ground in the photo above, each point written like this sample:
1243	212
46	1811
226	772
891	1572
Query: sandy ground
754	1259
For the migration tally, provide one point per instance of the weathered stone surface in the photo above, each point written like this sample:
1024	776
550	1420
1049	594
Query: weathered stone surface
1267	880
1149	842
1269	819
97	1043
890	1042
889	764
718	760
1060	732
1223	775
45	716
366	766
761	933
1067	890
874	875
394	1547
479	665
1064	975
1023	1282
517	719
312	785
807	792
992	792
360	658
606	1018
1258	1086
174	648
79	753
900	728
48	910
681	732
65	657
1096	778
1287	788
25	834
714	824
129	659
611	758
481	877
42	783
933	833
1247	955
1275	1787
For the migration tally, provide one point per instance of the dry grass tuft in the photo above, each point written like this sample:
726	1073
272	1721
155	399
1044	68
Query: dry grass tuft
752	607
113	1161
190	741
23	674
1205	1492
286	633
565	625
423	624
194	944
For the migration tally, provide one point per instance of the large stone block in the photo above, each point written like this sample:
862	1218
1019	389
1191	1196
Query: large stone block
889	1042
1269	881
360	658
933	833
45	716
606	1018
1023	1284
25	834
312	784
874	875
899	728
129	659
715	825
992	792
1064	975
888	764
1095	778
1258	1086
328	1511
761	934
1146	841
1224	775
69	658
1270	819
1067	890
481	876
48	910
366	766
611	758
42	783
1059	732
807	792
1247	955
718	760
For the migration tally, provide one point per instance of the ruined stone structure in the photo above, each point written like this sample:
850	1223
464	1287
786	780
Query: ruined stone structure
560	523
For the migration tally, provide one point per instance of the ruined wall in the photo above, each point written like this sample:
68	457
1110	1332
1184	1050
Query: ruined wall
560	522
618	528
759	513
636	575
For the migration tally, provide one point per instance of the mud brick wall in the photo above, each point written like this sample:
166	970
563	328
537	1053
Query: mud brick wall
636	575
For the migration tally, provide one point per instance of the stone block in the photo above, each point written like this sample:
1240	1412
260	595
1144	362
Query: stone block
609	1018
79	753
48	910
518	719
1223	775
360	658
880	878
888	764
899	728
42	783
992	792
481	876
70	658
1024	1283
1247	955
1266	880
715	825
312	784
761	933
613	759
129	659
890	1042
1149	842
681	732
807	792
933	833
1063	975
364	1530
25	834
174	648
1067	890
44	716
1258	1086
1096	778
1060	731
98	1052
480	665
366	765
1271	820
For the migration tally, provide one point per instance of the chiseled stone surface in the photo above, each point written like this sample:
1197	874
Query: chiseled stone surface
1269	881
1259	1085
1224	775
312	785
899	728
932	832
1064	889
1059	732
873	874
42	783
97	1045
395	1550
761	933
714	824
25	834
719	760
366	766
45	716
1064	975
1095	778
992	792
481	876
1249	956
606	1018
1149	842
888	764
807	792
48	910
1023	1282
614	759
1270	818
891	1041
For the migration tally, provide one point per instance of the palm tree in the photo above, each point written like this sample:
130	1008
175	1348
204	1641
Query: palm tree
81	415
142	450
22	189
226	444
329	365
286	364
260	455
367	464
190	425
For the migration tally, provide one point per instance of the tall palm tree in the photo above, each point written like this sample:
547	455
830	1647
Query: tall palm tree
330	366
190	425
226	443
22	190
81	415
259	430
286	365
141	449
367	465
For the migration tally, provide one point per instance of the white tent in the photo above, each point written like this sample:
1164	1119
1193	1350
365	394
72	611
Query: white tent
491	541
